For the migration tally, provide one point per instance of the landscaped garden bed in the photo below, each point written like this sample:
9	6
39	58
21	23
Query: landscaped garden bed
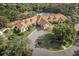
60	38
20	34
26	33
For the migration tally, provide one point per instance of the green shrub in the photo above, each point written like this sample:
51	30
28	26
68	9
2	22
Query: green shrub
64	32
15	30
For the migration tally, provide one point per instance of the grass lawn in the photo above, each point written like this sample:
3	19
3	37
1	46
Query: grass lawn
49	43
26	33
45	43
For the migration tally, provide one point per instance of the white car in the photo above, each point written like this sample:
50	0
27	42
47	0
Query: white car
1	33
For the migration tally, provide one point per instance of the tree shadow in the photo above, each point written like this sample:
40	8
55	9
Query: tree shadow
51	43
76	53
37	42
76	42
38	27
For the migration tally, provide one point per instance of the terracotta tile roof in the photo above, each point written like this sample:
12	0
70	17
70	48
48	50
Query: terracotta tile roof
58	16
18	25
26	22
33	19
42	20
45	17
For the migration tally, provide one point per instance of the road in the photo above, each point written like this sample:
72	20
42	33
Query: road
43	52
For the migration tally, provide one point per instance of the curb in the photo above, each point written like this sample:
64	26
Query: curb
58	50
31	33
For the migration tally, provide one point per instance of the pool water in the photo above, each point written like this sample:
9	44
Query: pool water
44	14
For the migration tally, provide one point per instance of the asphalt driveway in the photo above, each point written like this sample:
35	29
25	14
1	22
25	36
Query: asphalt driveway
43	52
35	34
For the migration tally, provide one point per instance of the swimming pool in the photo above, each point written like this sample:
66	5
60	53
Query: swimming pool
44	14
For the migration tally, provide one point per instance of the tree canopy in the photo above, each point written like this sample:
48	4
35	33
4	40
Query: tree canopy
64	33
11	11
13	46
